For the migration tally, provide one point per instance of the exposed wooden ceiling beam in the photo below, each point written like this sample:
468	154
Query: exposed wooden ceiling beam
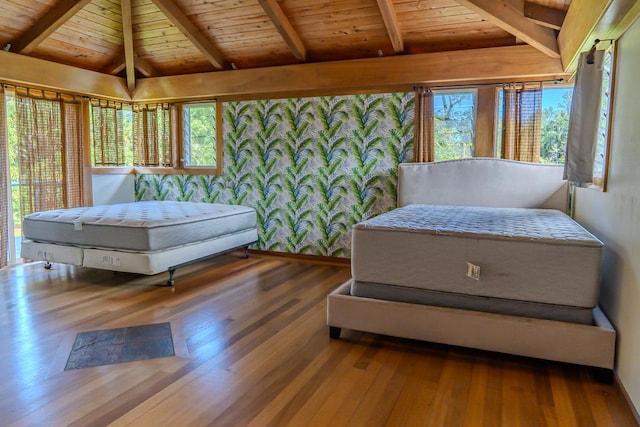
127	32
27	71
199	40
118	64
144	67
543	15
391	22
47	25
588	20
509	16
402	72
282	24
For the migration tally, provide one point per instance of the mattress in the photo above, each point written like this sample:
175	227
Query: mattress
532	255
138	226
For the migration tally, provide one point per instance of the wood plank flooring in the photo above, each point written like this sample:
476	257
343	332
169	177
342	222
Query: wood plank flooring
252	349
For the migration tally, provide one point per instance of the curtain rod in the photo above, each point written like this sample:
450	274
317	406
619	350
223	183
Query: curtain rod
555	81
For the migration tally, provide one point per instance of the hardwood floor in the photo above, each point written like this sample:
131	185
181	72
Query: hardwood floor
252	348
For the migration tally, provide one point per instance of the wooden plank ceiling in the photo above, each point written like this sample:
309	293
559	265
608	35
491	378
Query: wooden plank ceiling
150	38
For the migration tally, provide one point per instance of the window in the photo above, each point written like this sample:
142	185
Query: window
556	106
111	134
156	136
602	146
200	123
454	123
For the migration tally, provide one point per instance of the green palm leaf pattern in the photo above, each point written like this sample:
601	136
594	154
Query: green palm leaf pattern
237	150
297	182
311	167
267	178
400	141
161	185
365	148
185	187
140	187
211	188
331	149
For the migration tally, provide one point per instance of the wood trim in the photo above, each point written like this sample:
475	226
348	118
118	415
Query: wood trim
390	19
509	16
588	20
284	27
60	13
501	64
219	136
316	259
487	102
116	64
543	15
105	170
199	40
582	17
86	154
144	66
610	129
127	32
23	70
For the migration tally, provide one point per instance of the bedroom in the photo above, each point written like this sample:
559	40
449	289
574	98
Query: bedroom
603	208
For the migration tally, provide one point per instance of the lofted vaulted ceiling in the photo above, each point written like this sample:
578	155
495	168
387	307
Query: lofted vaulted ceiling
152	38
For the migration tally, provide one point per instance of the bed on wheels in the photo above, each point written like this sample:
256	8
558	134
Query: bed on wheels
141	237
479	253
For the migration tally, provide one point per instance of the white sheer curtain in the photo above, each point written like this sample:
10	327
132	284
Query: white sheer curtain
584	120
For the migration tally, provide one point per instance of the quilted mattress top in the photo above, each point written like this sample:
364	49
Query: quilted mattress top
541	225
139	214
138	226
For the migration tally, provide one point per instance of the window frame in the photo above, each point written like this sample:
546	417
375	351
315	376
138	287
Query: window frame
177	140
179	137
472	90
600	182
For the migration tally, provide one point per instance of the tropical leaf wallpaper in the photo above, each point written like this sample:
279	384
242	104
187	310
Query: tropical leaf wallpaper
311	167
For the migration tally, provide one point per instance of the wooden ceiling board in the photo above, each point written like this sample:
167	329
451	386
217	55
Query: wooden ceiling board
554	4
17	16
339	29
241	33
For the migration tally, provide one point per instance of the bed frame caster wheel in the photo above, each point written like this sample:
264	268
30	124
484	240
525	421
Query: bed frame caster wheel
334	332
171	282
47	265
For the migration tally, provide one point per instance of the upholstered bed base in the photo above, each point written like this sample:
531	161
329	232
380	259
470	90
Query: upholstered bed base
544	339
491	183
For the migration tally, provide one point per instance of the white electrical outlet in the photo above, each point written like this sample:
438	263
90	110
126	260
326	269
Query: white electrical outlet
473	271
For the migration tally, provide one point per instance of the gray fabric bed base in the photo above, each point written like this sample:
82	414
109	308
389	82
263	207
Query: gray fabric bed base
562	313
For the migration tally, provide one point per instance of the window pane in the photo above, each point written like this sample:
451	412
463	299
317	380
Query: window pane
600	159
556	105
199	135
454	124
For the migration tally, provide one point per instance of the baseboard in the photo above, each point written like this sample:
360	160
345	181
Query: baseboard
632	407
318	259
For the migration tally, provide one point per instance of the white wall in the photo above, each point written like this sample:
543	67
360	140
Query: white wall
614	216
113	188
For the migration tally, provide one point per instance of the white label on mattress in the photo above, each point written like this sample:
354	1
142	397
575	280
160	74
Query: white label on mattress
110	260
473	271
77	226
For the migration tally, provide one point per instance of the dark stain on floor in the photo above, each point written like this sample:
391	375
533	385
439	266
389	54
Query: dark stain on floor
121	345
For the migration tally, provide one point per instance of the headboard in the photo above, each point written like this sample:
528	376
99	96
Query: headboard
483	181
